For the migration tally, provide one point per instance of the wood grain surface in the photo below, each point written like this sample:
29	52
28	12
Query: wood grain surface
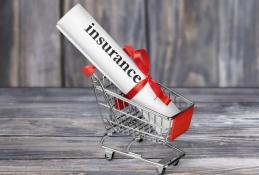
191	43
6	37
204	43
40	47
57	131
30	55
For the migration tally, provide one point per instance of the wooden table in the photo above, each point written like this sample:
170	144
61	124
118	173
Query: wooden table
57	131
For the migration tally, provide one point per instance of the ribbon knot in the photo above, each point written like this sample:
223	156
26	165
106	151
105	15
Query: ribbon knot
141	59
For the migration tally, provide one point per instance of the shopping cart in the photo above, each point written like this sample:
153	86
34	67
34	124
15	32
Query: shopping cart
123	116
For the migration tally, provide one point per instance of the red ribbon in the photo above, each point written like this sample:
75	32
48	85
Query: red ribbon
141	59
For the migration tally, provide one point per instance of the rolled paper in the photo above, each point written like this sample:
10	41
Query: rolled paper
82	30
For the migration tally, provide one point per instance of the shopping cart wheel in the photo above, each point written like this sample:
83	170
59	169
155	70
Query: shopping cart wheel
161	171
175	163
139	139
109	155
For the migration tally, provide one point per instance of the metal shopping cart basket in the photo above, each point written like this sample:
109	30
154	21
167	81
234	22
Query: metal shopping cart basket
121	115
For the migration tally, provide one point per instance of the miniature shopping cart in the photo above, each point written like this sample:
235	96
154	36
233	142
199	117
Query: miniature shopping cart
122	116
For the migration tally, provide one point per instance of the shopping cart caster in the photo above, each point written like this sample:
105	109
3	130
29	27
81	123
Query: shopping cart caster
161	171
109	155
139	139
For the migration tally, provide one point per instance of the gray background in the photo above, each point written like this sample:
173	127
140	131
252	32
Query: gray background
201	43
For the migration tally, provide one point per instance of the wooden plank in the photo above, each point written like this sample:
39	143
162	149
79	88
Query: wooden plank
183	42
125	167
238	49
34	121
77	95
88	126
123	20
8	40
220	94
195	145
39	57
227	119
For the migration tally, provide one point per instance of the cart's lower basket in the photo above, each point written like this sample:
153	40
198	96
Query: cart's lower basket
124	117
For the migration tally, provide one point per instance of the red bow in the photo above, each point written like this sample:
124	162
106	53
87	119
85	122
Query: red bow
141	59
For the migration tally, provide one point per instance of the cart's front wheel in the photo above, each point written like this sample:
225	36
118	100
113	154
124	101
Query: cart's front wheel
139	139
161	171
109	155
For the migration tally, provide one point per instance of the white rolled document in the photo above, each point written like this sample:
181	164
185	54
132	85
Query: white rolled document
108	57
